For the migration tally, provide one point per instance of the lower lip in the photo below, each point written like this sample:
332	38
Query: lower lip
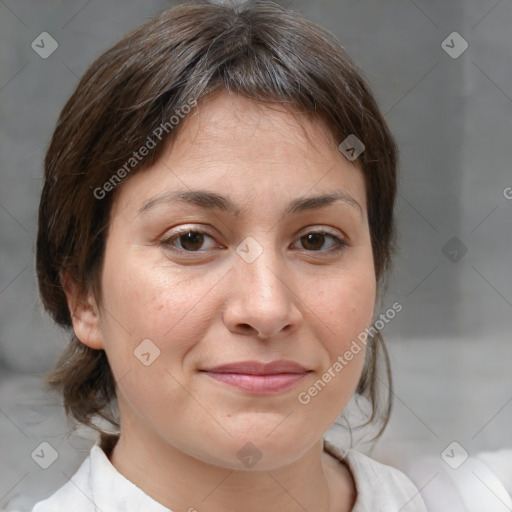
259	384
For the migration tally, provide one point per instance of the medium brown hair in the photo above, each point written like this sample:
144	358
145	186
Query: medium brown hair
260	50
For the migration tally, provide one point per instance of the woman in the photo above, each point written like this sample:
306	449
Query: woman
215	226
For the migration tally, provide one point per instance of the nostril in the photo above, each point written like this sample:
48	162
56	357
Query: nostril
247	329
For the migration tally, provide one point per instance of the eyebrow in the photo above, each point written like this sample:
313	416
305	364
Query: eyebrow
212	200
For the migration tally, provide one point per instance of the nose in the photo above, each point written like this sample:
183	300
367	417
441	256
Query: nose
263	299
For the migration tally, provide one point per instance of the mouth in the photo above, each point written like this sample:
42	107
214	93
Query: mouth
258	378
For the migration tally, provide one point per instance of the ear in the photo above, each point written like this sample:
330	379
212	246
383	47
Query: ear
84	313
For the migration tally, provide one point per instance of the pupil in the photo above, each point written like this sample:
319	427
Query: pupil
312	237
192	240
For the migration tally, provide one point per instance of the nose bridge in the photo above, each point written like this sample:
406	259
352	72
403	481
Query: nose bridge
261	297
261	267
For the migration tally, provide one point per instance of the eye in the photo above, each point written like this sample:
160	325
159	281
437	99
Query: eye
315	240
189	240
193	240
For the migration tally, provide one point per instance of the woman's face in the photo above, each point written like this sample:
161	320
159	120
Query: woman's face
245	267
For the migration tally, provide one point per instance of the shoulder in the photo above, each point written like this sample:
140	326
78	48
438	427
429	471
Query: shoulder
76	494
381	487
474	483
97	485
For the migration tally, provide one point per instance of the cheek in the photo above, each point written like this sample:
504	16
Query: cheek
144	300
149	302
346	309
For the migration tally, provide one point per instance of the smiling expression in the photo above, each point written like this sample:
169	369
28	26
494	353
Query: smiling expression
246	243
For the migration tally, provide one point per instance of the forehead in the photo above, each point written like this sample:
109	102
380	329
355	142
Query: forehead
239	146
249	124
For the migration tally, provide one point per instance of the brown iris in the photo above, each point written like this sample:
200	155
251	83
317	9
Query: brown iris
312	239
192	241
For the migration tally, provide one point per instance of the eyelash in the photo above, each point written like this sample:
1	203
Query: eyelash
168	242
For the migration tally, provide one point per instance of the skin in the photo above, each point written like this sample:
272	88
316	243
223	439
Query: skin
299	300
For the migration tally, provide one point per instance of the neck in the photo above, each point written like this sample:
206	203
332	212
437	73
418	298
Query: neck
184	483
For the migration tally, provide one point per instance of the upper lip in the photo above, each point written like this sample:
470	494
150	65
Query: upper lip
258	368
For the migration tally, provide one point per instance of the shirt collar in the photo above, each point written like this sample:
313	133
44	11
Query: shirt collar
110	490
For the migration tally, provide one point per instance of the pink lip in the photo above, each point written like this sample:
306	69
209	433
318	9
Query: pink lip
259	378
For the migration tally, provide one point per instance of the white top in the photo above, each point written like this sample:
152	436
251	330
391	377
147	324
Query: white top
97	485
478	483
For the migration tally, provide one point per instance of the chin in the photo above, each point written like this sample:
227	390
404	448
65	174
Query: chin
257	451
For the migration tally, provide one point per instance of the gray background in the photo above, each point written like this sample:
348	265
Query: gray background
450	346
